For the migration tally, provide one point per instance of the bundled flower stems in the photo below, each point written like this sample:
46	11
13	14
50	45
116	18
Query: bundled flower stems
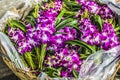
57	36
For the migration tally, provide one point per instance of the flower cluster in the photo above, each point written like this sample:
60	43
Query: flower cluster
58	5
93	7
90	34
63	44
58	40
46	24
40	33
16	35
67	58
105	12
106	39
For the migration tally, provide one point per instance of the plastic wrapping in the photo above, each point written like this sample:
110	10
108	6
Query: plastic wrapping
11	52
101	64
113	5
44	76
98	66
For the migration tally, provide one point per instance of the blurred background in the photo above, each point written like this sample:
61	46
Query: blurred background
5	72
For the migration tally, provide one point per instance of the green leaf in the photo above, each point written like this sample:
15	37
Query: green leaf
82	44
35	11
17	24
85	14
69	14
117	29
98	21
42	55
84	56
67	22
28	56
72	5
118	33
24	61
51	69
59	17
111	21
52	72
31	20
75	73
37	50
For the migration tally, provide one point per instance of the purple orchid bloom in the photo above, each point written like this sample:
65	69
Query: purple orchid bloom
67	58
15	34
108	37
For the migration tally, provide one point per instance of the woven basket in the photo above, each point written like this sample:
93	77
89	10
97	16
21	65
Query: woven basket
26	75
23	75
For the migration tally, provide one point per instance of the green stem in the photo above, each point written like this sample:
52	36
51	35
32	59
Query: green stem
29	59
25	63
37	49
42	55
117	29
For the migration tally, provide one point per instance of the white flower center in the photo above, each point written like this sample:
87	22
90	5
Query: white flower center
44	37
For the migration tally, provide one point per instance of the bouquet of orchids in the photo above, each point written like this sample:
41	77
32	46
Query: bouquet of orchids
57	36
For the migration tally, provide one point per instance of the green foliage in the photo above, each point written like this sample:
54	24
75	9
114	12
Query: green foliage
28	57
71	5
60	16
42	56
98	21
67	22
75	73
37	51
17	24
85	54
82	44
85	14
31	20
32	16
53	72
35	11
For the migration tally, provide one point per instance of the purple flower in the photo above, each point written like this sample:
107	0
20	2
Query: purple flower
90	34
66	58
108	37
28	26
105	12
42	32
33	36
15	34
58	5
24	46
82	2
45	37
70	33
92	6
52	47
46	25
58	40
64	73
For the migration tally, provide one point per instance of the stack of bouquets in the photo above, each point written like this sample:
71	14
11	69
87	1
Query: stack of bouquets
57	36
